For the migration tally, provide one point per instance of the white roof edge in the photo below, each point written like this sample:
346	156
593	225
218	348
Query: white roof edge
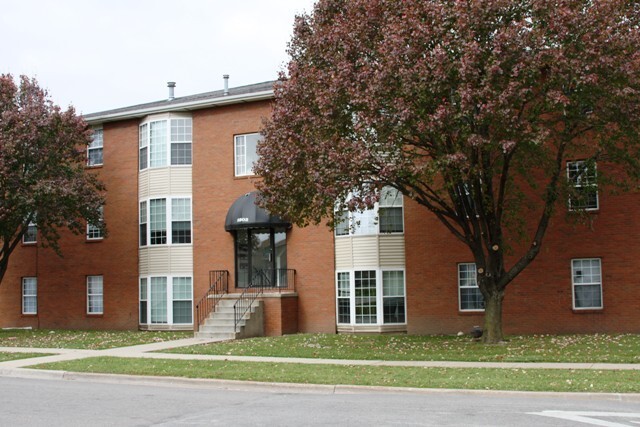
189	105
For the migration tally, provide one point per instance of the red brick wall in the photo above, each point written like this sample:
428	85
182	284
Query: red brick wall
215	188
62	281
539	300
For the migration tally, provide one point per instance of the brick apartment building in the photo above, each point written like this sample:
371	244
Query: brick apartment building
181	218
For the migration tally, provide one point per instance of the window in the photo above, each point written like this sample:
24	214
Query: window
390	211
158	299
165	142
94	150
370	297
181	141
31	235
94	231
158	221
29	295
94	295
470	297
245	153
166	300
344	297
586	278
182	300
161	218
583	177
181	220
143	300
393	296
144	146
386	217
143	223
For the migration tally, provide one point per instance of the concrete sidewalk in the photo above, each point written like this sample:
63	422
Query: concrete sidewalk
147	351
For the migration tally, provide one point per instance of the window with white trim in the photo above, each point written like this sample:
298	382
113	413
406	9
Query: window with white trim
95	300
469	294
390	211
94	231
143	223
386	217
29	295
31	235
94	150
245	153
165	221
371	297
143	300
586	279
166	300
165	141
583	177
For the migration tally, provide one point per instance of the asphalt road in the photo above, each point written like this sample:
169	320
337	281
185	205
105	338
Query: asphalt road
38	402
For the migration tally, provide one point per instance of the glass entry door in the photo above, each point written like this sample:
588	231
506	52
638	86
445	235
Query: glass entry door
261	257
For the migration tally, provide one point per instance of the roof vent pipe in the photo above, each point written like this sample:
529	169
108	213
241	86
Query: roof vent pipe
226	84
171	86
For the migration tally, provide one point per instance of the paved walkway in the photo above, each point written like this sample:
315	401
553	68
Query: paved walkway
147	351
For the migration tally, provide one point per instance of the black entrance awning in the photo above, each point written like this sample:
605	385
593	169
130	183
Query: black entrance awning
244	213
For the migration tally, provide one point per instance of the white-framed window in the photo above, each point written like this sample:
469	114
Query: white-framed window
166	300
469	295
143	223
583	177
586	279
245	153
164	141
371	297
94	231
94	150
31	235
29	295
165	221
95	295
144	297
387	216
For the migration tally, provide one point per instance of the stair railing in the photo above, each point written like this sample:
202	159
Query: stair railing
259	280
219	286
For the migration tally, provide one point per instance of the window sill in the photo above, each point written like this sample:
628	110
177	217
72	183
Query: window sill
31	244
94	166
94	315
588	310
244	176
94	240
29	315
470	312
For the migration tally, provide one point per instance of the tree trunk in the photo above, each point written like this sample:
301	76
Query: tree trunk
492	332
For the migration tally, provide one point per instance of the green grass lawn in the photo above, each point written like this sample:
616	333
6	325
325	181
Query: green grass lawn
5	357
88	340
598	348
481	379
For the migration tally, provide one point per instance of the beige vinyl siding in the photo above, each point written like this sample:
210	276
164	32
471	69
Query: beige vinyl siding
368	251
166	260
391	250
165	180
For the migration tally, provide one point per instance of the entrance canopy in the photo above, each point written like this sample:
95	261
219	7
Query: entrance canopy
244	213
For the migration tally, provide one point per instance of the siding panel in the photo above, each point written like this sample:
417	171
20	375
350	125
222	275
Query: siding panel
392	251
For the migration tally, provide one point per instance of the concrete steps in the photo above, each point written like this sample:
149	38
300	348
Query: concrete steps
220	323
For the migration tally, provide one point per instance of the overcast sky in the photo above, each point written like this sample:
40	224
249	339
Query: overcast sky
102	54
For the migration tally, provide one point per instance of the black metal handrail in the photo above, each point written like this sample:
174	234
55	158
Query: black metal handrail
219	285
281	279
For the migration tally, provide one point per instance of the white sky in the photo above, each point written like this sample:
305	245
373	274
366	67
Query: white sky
102	54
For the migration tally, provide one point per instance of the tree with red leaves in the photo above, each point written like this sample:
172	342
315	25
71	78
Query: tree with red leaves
470	108
43	176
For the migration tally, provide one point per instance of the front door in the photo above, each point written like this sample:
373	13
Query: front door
261	257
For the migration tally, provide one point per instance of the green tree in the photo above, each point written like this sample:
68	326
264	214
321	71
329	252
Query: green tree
43	179
470	108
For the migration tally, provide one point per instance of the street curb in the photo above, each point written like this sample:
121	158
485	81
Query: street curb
274	387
